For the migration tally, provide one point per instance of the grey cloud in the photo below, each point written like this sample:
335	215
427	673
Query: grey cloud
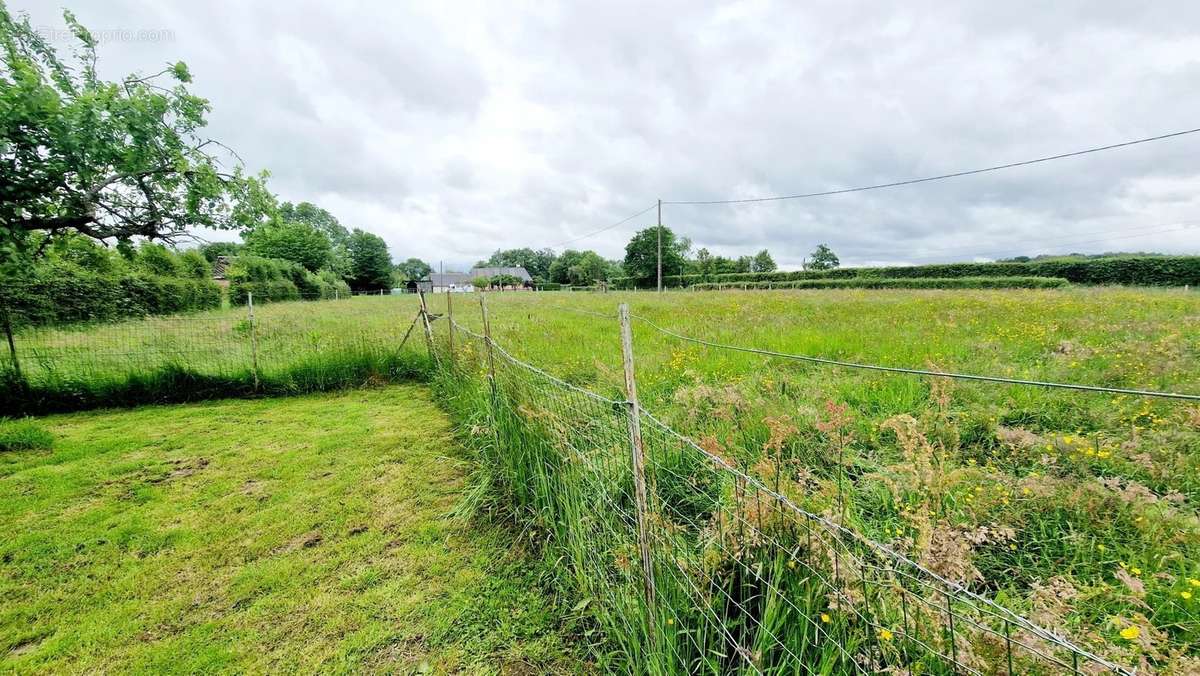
456	130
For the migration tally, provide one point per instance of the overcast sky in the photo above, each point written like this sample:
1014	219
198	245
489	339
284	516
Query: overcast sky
453	129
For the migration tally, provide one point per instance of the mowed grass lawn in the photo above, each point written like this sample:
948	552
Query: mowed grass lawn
303	534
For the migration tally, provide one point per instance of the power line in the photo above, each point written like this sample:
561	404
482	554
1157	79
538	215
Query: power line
623	221
941	176
921	372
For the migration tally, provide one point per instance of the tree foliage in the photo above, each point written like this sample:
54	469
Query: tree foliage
536	263
413	268
157	260
192	264
823	258
325	222
706	264
370	262
311	214
506	281
763	262
579	268
107	159
295	241
641	254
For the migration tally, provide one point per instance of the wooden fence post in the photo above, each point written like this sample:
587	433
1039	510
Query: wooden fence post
487	336
253	337
487	340
12	345
638	461
428	328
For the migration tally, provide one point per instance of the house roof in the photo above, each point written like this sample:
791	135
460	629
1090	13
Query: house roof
519	273
450	278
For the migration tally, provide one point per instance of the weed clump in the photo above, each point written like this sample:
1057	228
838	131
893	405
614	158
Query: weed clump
23	435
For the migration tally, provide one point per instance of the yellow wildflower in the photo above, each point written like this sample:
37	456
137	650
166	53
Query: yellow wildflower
825	618
885	635
1185	595
1130	633
1194	582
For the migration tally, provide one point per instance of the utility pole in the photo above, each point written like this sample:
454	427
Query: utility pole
660	288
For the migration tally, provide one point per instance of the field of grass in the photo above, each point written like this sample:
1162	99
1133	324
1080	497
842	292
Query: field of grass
291	348
308	534
1077	510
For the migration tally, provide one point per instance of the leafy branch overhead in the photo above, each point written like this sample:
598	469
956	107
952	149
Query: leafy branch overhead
110	160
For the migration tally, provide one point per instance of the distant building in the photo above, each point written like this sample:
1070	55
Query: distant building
413	285
460	282
454	282
519	273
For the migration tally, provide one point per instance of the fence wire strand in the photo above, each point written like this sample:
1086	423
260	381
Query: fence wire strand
919	372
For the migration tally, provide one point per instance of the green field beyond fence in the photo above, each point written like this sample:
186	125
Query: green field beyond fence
805	518
280	348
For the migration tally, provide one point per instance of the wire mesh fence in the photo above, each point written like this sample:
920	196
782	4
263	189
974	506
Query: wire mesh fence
721	571
275	347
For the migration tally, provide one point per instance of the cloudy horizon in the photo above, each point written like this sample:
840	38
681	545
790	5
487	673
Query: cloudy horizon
453	131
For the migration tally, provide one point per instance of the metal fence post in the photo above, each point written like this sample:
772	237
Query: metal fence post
12	345
638	461
253	337
450	326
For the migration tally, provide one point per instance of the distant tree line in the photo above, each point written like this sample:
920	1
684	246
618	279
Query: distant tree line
584	268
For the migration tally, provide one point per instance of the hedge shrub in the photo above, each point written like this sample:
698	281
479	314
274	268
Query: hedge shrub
899	283
59	291
272	280
1130	270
